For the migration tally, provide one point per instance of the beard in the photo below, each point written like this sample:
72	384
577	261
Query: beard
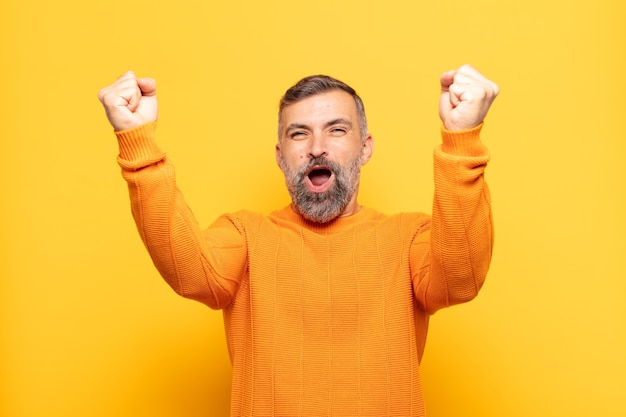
328	205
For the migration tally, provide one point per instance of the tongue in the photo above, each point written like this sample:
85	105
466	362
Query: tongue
319	177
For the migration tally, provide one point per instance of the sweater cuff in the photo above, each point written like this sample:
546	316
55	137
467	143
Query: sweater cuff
138	147
463	142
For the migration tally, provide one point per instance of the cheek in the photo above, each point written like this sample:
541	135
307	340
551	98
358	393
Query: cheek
290	160
294	157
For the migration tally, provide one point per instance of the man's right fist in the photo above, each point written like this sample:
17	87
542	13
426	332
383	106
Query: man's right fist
130	101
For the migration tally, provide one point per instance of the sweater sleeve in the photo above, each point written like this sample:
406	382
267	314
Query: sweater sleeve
205	266
459	243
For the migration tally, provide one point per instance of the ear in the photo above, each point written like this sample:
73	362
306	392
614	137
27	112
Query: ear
367	149
277	154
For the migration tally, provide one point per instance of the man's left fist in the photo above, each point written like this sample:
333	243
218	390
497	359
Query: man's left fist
466	96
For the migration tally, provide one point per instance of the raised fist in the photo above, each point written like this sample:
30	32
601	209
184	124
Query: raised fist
466	96
130	101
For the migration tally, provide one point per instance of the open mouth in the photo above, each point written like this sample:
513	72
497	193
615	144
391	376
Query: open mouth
319	178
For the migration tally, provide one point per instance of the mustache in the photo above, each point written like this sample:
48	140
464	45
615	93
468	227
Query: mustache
320	161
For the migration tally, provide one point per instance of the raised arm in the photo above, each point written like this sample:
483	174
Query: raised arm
205	266
461	235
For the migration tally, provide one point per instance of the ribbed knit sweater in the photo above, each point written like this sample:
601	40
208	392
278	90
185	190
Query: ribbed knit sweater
321	320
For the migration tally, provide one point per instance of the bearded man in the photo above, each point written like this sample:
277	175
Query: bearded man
326	302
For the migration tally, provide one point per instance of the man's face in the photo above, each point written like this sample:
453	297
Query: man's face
321	153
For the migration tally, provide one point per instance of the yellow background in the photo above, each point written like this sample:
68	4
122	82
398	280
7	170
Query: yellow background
88	328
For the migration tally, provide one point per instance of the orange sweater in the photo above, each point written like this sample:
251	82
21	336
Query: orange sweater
321	320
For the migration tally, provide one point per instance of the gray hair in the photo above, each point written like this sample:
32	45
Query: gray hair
318	84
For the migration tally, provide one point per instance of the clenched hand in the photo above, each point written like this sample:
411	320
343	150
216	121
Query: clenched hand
466	96
130	101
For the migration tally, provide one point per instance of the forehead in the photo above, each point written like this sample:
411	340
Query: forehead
320	108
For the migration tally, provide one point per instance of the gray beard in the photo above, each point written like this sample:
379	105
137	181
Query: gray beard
328	205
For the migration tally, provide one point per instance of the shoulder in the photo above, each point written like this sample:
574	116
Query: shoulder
242	221
403	219
403	225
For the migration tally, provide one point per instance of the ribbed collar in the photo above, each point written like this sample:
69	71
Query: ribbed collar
365	214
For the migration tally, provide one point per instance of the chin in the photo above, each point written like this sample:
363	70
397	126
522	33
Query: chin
319	215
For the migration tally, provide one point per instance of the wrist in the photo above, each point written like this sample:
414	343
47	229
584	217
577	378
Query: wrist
465	142
139	144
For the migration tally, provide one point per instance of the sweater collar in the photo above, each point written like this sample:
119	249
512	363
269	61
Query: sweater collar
341	223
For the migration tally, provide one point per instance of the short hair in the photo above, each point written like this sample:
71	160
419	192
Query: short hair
318	84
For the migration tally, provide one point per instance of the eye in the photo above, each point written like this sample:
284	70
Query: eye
297	135
338	131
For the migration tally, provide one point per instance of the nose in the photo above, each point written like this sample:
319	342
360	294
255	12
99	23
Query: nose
317	146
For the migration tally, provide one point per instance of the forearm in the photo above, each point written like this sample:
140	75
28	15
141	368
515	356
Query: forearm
461	236
166	225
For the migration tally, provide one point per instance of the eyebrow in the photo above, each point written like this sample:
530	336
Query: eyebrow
338	121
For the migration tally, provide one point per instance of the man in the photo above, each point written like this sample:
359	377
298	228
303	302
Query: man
326	303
